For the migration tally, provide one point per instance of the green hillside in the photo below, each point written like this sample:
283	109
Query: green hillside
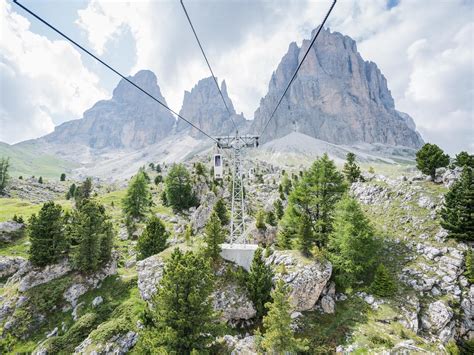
26	160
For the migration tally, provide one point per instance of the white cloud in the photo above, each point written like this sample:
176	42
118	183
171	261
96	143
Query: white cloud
43	82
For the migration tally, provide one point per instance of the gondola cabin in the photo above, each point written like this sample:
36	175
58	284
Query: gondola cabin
218	167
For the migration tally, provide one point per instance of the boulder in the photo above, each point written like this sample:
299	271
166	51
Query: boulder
10	230
73	293
307	278
96	301
242	346
438	320
150	272
118	344
233	303
10	264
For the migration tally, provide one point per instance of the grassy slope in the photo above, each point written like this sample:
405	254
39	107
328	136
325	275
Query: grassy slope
25	160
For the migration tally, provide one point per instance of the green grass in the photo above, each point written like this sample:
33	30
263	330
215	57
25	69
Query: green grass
26	160
14	206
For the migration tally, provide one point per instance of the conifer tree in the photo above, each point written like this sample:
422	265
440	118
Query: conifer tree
137	201
470	265
83	192
40	180
457	215
92	235
270	218
305	235
352	246
315	196
158	168
154	238
62	177
464	159
4	176
71	192
429	158
214	236
179	192
221	211
259	282
183	315
383	284
279	337
279	211
260	220
351	169
46	231
158	179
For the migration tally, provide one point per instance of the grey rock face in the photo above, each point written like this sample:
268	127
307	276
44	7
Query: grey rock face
118	344
336	97
10	264
10	230
203	107
438	320
130	119
233	304
307	280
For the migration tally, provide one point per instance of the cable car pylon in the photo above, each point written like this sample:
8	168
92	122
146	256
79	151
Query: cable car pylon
236	144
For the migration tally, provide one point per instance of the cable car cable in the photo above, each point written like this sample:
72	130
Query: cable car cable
208	64
299	66
111	68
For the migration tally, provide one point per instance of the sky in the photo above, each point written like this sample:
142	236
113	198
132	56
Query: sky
425	49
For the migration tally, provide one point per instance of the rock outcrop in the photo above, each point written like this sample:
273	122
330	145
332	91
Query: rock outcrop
307	278
203	107
130	119
336	97
10	264
10	230
118	344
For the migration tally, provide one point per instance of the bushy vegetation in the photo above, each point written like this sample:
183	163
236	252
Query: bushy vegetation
137	201
47	234
214	236
4	176
221	210
259	282
351	169
352	247
278	336
464	159
182	316
178	188
384	283
153	240
429	158
457	215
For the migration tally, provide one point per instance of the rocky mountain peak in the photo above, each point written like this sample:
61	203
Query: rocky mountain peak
203	107
337	97
130	119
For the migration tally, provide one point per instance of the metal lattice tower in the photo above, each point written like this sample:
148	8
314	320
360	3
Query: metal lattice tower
237	144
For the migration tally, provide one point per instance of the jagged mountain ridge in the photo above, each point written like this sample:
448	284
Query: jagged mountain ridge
130	119
336	97
203	107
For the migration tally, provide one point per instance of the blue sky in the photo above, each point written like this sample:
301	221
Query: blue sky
426	53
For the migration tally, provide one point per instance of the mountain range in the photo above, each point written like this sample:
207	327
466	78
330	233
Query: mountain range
337	97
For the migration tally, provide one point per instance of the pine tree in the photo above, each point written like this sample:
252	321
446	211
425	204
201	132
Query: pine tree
464	159
214	236
40	180
178	187
158	168
305	235
279	211
92	235
315	196
279	337
46	231
221	211
71	192
153	240
470	265
270	218
351	169
429	158
352	246
4	176
457	214
260	220
137	201
383	284
182	310
62	177
158	179
259	282
83	192
151	166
